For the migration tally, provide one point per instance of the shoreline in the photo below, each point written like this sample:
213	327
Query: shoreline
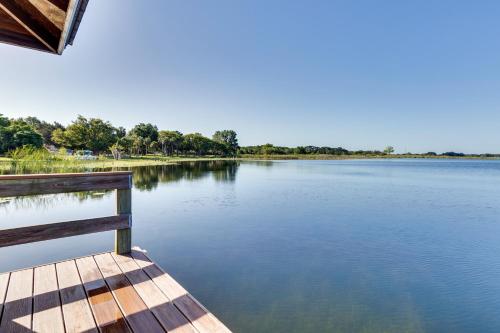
8	164
359	157
65	165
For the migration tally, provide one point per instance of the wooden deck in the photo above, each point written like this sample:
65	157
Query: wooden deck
107	292
119	291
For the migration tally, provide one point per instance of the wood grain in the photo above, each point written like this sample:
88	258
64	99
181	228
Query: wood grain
47	315
123	237
24	12
136	312
74	11
4	282
45	232
106	312
102	293
18	303
53	13
11	32
172	289
65	175
21	185
201	318
164	310
61	4
75	307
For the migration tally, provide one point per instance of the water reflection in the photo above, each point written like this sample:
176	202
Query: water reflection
145	178
50	200
310	246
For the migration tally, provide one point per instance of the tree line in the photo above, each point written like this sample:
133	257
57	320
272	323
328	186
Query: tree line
101	137
269	149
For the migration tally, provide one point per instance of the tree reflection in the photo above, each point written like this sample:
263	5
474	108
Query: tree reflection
147	178
50	200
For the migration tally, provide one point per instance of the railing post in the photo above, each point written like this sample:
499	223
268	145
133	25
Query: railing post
123	237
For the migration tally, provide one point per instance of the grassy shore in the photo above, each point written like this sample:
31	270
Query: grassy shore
8	165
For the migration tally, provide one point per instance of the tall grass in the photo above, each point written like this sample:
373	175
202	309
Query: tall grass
39	160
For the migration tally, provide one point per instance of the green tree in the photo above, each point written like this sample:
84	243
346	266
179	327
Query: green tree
300	150
77	134
146	143
125	143
170	141
229	139
197	143
153	147
59	138
17	133
92	134
121	132
25	135
269	149
121	146
102	135
44	128
146	131
389	150
137	144
142	135
4	137
4	121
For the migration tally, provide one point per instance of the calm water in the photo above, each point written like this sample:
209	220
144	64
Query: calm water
308	246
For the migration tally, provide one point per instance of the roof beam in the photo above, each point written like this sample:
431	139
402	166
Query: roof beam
61	4
11	32
34	21
14	38
55	14
71	9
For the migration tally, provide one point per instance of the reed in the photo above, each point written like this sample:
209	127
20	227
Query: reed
38	160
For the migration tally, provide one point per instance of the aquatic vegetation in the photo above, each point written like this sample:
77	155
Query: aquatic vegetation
40	160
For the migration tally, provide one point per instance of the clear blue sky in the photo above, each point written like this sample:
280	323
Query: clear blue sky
419	75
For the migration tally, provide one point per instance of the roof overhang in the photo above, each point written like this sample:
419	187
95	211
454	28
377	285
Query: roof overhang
45	25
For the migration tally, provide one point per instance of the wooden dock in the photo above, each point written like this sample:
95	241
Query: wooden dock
120	291
100	293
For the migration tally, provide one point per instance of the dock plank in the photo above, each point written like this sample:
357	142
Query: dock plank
108	316
4	282
76	309
99	294
172	289
136	312
202	319
164	310
17	314
47	313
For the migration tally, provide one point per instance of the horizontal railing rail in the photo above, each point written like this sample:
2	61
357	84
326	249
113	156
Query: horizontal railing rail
22	185
43	232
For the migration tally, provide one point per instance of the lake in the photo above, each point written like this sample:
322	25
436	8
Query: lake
307	246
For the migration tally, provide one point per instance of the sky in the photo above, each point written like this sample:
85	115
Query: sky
362	74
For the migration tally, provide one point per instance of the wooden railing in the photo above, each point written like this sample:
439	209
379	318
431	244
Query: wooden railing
23	185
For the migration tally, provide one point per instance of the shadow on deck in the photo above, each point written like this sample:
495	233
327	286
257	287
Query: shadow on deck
120	291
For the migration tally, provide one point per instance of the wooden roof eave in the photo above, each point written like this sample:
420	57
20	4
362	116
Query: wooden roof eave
45	25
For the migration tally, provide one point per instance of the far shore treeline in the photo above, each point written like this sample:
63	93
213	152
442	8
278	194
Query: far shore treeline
101	138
